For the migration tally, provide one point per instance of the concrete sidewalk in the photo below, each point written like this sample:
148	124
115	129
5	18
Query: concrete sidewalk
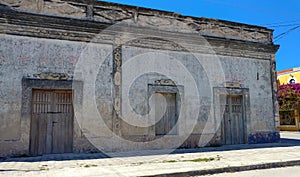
152	163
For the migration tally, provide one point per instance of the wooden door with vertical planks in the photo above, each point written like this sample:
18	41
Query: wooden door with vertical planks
52	122
166	115
233	128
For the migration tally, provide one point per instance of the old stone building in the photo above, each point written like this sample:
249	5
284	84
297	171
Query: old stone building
80	76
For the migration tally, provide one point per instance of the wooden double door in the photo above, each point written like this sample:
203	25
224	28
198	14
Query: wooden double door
51	128
233	124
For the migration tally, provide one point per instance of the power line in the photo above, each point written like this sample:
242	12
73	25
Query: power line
276	38
277	24
274	26
283	22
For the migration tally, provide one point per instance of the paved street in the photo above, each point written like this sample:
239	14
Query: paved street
290	135
273	172
147	163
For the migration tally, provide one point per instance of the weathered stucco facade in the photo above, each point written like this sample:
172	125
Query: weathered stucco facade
211	82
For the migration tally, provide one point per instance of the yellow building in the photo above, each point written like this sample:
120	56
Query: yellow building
289	119
289	76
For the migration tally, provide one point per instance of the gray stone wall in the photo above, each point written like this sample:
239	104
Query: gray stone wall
209	72
93	65
23	57
121	55
255	75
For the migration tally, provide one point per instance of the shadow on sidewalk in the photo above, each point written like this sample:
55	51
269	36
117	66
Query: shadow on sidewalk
57	157
291	142
284	142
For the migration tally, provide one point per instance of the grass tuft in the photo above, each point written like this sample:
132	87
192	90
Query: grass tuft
195	160
200	160
88	165
169	161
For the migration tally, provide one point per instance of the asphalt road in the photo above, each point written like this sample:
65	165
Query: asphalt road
273	172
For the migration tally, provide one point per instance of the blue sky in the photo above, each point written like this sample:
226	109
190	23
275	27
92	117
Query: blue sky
279	15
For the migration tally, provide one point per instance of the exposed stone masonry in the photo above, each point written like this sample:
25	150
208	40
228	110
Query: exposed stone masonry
141	17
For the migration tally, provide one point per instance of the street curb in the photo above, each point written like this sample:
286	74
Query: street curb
229	169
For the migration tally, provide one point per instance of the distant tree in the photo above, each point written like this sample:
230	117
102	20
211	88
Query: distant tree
289	96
